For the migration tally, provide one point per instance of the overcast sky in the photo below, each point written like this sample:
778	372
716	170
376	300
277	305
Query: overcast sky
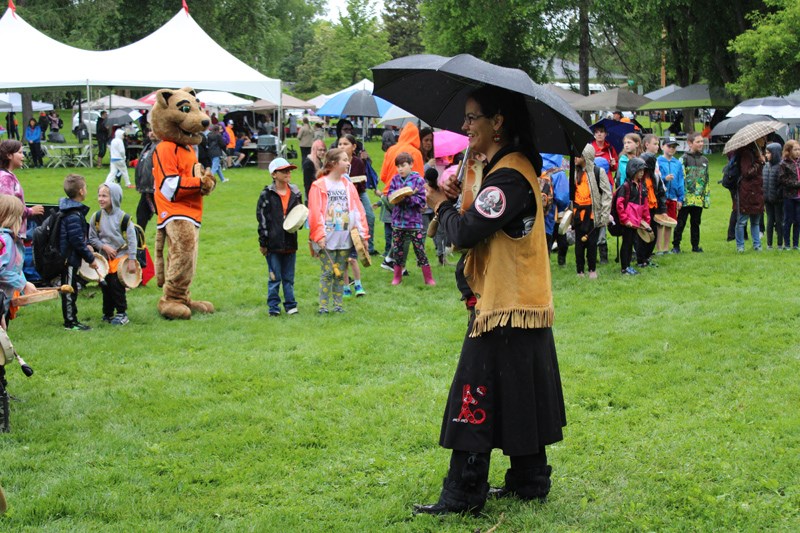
335	6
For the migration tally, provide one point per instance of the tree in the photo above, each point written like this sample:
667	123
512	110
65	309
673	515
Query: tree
769	61
511	33
401	19
341	54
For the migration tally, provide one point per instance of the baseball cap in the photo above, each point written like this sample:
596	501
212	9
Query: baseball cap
280	164
669	141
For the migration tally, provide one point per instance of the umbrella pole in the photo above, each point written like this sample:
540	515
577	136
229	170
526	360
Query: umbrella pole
88	129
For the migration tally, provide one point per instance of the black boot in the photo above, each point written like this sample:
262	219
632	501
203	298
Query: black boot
603	249
528	484
465	488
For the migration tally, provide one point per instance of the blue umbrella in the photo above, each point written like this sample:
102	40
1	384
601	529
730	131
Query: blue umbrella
356	103
615	131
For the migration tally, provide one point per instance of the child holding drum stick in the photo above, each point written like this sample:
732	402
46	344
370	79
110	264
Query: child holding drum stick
107	236
333	208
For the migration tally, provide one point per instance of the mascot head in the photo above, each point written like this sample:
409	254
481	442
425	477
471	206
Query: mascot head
176	116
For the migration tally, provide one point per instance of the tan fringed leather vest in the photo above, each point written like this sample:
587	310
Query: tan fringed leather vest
511	277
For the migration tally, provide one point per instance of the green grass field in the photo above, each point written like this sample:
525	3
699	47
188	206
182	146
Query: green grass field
681	390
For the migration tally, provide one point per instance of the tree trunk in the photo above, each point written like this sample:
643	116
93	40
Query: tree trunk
583	51
27	111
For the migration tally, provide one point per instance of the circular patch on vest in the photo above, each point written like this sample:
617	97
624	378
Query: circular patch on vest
491	202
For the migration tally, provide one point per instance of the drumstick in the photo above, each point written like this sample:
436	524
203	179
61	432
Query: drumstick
336	271
26	369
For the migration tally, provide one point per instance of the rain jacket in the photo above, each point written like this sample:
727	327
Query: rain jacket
674	187
790	179
600	189
118	146
773	191
408	142
72	232
560	190
695	179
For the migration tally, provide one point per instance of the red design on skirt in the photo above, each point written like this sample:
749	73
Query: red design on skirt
468	416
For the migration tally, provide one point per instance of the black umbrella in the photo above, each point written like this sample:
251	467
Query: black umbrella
435	89
119	117
729	126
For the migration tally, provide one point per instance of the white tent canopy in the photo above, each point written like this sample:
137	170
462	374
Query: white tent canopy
72	67
223	99
15	100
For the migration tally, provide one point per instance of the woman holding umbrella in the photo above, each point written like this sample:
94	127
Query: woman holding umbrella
506	392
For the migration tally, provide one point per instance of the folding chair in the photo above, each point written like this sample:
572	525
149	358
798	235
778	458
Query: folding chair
83	158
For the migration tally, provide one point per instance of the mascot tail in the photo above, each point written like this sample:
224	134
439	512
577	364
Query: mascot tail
161	234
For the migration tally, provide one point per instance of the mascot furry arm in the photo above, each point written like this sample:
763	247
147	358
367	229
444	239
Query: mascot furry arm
180	185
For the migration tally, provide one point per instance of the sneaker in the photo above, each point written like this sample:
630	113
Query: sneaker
581	275
77	326
120	319
769	247
338	309
292	311
675	250
346	292
643	265
388	264
107	319
405	272
274	313
740	250
630	271
131	186
374	252
592	275
360	291
697	250
322	311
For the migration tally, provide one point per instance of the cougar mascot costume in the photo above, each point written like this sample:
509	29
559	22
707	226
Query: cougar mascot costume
180	184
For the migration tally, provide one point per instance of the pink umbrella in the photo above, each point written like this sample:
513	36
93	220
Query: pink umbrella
149	99
447	143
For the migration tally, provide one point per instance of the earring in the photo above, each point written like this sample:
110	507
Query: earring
496	136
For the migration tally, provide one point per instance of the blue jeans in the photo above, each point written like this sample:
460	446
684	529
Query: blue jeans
755	231
370	219
216	168
281	272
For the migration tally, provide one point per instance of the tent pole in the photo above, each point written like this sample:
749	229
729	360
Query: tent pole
88	129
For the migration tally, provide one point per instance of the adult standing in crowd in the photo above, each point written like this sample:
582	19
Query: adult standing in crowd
102	134
750	194
44	123
343	127
305	138
33	135
216	151
11	126
143	177
790	180
506	392
11	158
313	164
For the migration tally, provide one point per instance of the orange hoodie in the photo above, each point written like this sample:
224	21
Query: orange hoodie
408	142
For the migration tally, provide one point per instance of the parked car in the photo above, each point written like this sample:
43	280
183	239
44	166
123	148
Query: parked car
89	118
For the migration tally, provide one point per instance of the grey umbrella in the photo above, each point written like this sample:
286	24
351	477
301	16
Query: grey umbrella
729	126
119	117
613	100
435	89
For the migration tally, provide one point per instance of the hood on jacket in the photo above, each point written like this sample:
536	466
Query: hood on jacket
552	161
775	150
115	191
588	159
119	134
649	161
409	135
635	164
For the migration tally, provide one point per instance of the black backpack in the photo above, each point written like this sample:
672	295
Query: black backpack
732	173
47	258
143	175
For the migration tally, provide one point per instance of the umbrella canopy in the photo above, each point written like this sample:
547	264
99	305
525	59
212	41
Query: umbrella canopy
697	95
778	107
615	131
729	126
447	143
122	116
435	89
287	102
358	103
397	116
750	133
150	99
613	100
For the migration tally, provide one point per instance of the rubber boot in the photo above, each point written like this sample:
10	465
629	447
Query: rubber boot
398	275
427	275
526	484
603	249
465	488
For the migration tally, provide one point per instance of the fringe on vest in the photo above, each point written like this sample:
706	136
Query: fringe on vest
528	318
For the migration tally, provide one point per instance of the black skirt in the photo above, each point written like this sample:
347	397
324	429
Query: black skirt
506	393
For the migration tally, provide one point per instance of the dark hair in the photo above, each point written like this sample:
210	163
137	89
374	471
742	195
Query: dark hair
73	184
403	157
340	125
7	149
352	140
517	123
598	127
424	132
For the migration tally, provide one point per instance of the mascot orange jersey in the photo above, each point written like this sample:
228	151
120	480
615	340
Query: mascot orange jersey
177	191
